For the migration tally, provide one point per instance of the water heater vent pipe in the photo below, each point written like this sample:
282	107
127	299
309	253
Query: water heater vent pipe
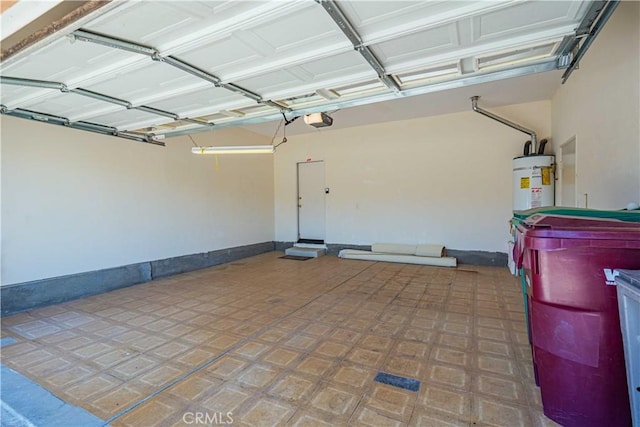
534	138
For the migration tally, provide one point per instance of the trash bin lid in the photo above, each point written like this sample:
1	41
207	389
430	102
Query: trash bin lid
549	232
630	216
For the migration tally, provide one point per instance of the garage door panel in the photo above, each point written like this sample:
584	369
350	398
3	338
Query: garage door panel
72	106
153	78
416	45
269	45
124	119
198	102
333	69
65	61
20	96
225	59
176	26
524	18
377	21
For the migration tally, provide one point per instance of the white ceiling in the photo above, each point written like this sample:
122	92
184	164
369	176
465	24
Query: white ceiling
113	68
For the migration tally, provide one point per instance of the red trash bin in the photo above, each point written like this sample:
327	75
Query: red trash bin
573	308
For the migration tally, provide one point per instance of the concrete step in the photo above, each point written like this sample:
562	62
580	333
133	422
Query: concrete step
310	245
305	251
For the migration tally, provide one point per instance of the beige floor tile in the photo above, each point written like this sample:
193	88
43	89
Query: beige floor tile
335	401
281	357
30	358
275	342
365	416
303	418
92	387
116	400
292	388
67	376
499	387
227	367
155	412
195	387
332	349
49	367
412	349
266	412
450	376
257	376
376	343
423	417
345	335
496	348
161	376
450	356
301	342
274	335
390	402
499	413
497	365
114	357
252	350
447	401
315	366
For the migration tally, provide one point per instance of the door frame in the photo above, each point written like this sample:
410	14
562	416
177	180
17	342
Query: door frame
298	203
564	151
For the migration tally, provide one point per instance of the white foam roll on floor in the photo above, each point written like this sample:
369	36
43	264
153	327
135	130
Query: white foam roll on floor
394	248
429	250
406	259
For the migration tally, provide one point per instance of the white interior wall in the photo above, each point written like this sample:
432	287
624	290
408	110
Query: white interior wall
443	179
73	201
600	105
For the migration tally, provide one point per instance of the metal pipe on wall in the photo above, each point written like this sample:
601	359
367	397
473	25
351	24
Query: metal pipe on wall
534	138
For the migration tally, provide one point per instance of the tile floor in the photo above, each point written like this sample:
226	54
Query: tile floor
268	341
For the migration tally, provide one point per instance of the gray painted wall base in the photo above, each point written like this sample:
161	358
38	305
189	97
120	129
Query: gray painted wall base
183	264
28	295
496	259
24	296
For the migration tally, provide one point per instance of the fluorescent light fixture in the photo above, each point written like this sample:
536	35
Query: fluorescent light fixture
318	120
241	149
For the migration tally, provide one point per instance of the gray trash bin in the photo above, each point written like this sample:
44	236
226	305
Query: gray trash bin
628	284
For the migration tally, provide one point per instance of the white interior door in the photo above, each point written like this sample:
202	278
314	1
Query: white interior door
311	201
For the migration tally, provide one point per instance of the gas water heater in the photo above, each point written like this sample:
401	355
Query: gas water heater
533	181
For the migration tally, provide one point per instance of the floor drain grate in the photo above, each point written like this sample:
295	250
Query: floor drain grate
397	381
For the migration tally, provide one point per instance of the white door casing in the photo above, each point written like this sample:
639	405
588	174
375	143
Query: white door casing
311	201
568	175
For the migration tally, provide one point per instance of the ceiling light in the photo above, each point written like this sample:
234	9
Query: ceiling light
318	120
241	149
